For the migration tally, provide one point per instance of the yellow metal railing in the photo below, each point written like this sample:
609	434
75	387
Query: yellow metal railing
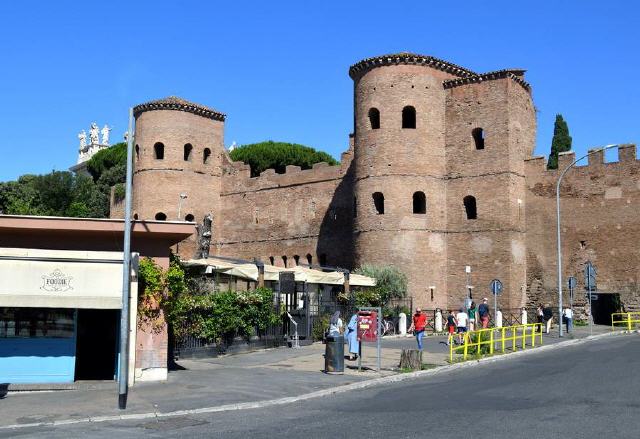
495	339
628	319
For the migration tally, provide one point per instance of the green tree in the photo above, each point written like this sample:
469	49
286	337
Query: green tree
561	141
277	155
106	159
390	283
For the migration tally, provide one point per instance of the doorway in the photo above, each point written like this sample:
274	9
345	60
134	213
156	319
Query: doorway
605	305
96	345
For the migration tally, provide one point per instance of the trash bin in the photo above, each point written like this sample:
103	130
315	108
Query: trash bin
334	354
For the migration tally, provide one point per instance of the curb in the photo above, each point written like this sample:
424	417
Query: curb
317	394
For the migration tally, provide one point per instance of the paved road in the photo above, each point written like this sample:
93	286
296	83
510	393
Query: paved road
586	391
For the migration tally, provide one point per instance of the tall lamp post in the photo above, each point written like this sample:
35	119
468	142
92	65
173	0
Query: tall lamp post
593	151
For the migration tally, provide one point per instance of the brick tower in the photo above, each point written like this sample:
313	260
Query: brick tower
178	162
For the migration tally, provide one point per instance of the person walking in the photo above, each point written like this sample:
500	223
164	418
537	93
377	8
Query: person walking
547	315
335	324
473	310
418	324
351	334
567	316
462	319
483	313
540	314
451	326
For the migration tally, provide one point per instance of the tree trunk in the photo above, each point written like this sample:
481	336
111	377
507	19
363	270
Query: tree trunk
411	359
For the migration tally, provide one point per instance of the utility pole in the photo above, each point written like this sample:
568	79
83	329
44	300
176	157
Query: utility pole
123	376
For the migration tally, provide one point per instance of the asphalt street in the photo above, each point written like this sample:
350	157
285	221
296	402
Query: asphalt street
590	390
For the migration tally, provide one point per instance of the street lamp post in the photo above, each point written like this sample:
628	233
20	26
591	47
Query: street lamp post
593	151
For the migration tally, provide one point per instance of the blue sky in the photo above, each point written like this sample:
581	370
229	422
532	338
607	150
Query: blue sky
279	69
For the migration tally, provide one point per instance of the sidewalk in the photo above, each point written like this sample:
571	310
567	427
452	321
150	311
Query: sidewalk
251	377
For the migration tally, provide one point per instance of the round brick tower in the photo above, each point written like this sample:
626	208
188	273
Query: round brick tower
399	168
177	161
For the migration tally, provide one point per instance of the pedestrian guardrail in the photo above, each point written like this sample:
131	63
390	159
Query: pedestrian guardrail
628	319
494	339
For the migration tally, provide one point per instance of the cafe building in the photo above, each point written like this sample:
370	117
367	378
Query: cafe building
61	298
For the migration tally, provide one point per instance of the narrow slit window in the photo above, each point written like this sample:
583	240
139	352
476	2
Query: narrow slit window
374	118
470	207
309	259
187	152
137	152
206	155
271	260
158	150
478	137
284	261
378	202
296	259
408	117
419	203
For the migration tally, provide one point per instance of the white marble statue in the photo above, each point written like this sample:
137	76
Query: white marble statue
83	139
105	134
93	134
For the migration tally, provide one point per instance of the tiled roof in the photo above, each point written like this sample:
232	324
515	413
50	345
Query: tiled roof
179	104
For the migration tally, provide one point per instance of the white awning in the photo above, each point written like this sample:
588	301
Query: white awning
60	279
249	271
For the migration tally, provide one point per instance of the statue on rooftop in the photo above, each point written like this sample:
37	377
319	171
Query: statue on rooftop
93	134
83	139
105	134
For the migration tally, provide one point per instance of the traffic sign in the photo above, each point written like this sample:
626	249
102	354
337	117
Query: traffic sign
496	287
590	276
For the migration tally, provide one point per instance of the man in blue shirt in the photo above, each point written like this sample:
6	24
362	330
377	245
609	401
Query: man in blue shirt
483	313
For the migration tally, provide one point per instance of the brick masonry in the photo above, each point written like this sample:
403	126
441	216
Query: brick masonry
327	214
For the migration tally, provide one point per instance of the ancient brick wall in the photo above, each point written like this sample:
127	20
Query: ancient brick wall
600	206
300	214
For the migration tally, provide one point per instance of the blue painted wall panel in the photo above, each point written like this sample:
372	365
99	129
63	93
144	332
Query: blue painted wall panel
37	360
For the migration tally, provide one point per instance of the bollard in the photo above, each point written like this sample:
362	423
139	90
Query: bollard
438	320
523	316
402	323
498	319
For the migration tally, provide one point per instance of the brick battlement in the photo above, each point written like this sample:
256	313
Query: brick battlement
293	176
536	167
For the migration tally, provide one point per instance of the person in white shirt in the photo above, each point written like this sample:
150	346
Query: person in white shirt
567	316
463	319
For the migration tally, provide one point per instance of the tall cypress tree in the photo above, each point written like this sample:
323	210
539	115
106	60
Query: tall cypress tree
561	141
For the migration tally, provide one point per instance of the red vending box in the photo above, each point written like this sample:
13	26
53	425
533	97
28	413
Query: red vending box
367	326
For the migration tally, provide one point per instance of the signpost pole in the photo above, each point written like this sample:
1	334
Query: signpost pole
379	335
589	285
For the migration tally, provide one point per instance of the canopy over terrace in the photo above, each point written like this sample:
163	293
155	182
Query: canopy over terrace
249	271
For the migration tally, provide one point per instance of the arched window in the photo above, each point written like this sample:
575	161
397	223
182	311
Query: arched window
284	261
158	150
478	137
187	152
408	117
206	155
160	216
271	260
419	202
189	218
378	202
374	118
470	207
137	152
309	259
296	259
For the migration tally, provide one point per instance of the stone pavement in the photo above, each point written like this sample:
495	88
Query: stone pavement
257	376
